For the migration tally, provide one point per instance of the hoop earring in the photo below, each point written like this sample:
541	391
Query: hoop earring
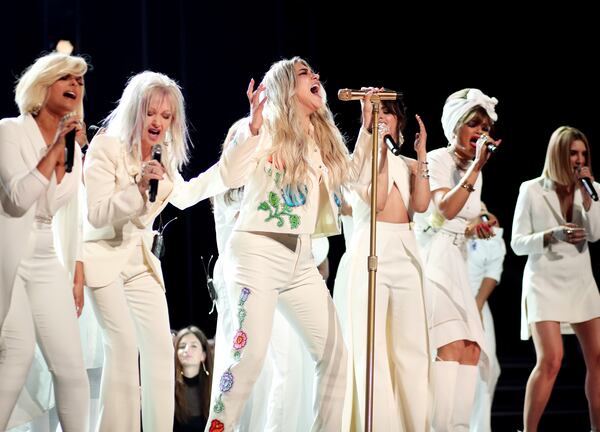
204	369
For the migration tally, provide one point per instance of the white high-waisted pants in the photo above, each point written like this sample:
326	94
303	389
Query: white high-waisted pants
262	273
133	314
42	308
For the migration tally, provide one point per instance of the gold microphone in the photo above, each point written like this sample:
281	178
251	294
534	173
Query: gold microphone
351	94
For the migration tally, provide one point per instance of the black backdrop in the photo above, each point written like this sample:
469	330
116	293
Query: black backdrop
539	64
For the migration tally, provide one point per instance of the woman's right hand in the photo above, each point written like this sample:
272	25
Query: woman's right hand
66	125
367	107
151	170
256	106
482	154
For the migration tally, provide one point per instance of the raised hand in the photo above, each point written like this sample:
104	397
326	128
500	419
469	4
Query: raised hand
256	106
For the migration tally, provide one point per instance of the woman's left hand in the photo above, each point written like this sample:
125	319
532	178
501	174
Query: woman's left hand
78	288
421	139
580	173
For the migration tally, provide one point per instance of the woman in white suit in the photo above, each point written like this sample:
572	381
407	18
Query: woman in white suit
291	166
124	276
555	218
40	297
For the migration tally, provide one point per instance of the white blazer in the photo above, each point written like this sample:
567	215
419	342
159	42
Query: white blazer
21	185
558	283
118	215
268	207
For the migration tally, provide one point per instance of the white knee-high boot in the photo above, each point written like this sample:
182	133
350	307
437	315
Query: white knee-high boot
464	397
444	378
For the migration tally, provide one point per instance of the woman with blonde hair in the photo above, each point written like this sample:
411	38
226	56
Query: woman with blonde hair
554	220
40	297
122	271
291	159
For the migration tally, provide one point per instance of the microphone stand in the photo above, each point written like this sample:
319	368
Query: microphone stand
372	266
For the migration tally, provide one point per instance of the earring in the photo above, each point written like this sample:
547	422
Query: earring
204	369
35	110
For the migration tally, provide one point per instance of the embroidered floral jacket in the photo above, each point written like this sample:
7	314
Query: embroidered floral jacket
268	207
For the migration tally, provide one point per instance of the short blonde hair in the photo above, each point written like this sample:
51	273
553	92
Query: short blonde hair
557	166
32	87
126	121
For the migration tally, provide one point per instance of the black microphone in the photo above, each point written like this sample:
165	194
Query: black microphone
385	94
93	130
492	148
156	155
588	186
70	149
394	148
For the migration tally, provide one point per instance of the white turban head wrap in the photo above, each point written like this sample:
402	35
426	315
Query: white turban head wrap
456	107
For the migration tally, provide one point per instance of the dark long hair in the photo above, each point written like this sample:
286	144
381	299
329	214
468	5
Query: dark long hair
182	411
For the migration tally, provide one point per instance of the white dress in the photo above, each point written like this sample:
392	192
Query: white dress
558	283
451	309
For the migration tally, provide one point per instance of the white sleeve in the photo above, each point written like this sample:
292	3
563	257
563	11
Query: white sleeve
20	186
524	240
188	193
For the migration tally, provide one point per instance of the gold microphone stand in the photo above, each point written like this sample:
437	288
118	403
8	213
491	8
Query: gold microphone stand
372	266
376	98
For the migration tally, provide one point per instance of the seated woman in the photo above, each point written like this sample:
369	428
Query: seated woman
193	378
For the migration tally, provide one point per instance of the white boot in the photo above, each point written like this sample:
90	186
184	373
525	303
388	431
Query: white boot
444	387
464	398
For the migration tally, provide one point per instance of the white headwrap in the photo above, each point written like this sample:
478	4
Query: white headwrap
456	108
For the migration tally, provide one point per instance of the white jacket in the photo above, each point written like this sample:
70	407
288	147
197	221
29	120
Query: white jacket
267	207
118	215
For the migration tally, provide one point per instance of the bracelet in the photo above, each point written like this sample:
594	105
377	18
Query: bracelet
425	169
468	186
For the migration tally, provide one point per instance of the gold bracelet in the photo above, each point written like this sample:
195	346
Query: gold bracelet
468	186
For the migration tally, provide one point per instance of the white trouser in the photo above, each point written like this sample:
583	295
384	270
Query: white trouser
261	274
133	314
42	306
401	357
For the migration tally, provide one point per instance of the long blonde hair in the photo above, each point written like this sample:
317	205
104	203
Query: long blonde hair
31	90
557	166
126	121
289	148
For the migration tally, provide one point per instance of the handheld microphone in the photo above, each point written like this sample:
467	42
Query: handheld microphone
350	94
588	186
391	144
156	155
492	148
70	150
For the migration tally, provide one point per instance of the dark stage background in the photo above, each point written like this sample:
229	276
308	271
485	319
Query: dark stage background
542	70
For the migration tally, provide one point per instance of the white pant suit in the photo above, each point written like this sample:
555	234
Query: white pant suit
269	265
42	307
127	284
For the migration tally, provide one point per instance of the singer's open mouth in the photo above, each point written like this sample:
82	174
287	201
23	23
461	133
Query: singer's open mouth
154	131
315	89
70	95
